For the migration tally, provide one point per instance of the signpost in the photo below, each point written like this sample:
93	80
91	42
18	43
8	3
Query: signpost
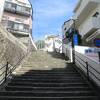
97	42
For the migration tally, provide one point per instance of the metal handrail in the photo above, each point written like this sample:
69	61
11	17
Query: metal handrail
87	67
8	71
87	57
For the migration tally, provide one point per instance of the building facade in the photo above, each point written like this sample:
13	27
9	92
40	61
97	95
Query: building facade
53	43
17	18
87	16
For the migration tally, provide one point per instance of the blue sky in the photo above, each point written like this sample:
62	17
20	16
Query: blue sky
49	15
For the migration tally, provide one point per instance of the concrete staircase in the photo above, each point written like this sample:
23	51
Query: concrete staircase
57	84
49	84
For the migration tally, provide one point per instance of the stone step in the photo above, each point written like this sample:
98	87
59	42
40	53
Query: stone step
46	94
49	98
53	80
47	78
42	75
22	88
47	84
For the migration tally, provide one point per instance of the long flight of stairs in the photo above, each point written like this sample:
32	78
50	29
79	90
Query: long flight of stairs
57	84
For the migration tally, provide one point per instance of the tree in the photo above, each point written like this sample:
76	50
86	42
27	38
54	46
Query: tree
40	44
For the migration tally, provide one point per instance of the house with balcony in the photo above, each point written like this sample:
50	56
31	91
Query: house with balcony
86	20
17	19
87	16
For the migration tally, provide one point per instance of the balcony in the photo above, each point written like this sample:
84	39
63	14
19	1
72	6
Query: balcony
90	26
17	28
85	7
23	13
18	32
10	7
23	10
14	8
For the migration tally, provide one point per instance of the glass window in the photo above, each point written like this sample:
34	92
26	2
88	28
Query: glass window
21	27
27	9
8	5
16	26
19	8
10	24
26	28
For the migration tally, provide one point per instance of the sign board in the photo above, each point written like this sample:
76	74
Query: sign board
97	42
75	39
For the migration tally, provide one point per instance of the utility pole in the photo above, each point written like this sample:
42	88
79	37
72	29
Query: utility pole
73	50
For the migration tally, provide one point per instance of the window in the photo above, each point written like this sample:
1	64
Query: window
16	26
10	5
23	9
19	8
26	28
10	24
21	27
27	9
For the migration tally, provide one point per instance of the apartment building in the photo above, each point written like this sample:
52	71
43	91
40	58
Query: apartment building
87	16
17	18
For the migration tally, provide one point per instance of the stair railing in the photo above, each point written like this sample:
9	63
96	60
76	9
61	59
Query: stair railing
7	70
87	66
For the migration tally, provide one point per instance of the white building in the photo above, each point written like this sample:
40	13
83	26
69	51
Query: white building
87	13
53	43
87	22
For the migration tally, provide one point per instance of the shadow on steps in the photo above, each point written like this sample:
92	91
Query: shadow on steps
55	84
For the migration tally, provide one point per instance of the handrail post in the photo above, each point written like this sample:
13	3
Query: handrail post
6	71
87	67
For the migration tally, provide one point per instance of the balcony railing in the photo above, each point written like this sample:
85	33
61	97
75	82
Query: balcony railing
10	7
16	28
14	8
90	26
84	9
25	13
18	32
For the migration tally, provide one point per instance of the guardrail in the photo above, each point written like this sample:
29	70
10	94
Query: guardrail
90	70
6	71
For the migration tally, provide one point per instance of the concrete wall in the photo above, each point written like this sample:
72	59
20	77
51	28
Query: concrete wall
91	63
1	8
11	49
80	60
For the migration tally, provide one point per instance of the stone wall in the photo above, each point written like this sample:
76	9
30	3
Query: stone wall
11	49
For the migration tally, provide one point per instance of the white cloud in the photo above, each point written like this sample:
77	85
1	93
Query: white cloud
53	9
49	15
